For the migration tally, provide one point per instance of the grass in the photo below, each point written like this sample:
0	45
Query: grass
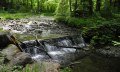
28	68
6	15
48	14
17	15
23	37
66	69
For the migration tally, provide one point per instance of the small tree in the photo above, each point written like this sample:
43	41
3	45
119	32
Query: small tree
63	9
106	11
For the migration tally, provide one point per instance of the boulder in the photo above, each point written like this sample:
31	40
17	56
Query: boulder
44	66
51	67
2	57
10	51
22	59
109	51
4	40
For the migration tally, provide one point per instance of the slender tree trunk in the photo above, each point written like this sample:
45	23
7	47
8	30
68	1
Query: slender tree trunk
27	3
31	1
90	7
38	5
70	3
98	5
119	4
75	8
111	2
115	3
11	4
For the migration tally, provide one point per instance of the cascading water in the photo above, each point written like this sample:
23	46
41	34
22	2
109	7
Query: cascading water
62	50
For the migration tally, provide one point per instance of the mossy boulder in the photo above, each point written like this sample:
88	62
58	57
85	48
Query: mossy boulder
21	59
10	51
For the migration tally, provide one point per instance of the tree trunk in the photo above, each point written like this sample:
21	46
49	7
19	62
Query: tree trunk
38	4
111	2
70	5
75	9
31	1
98	5
90	7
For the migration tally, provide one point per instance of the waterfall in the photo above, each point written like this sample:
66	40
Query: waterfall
62	50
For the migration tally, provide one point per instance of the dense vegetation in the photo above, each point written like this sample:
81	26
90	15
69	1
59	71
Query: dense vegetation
96	11
74	8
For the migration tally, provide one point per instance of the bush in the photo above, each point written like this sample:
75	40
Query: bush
78	22
60	19
50	6
102	35
66	69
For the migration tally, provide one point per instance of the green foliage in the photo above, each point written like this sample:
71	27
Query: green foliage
116	43
50	6
66	69
102	35
76	22
63	8
34	68
81	22
60	19
28	68
106	11
100	40
7	15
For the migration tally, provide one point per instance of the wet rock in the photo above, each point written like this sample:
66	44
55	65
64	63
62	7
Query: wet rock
52	67
4	40
38	31
109	51
49	66
22	59
2	57
10	51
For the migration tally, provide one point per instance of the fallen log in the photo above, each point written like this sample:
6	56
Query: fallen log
14	41
79	48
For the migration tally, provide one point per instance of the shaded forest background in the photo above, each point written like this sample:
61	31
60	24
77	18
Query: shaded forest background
74	8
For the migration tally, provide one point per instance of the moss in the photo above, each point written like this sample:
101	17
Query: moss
24	37
6	15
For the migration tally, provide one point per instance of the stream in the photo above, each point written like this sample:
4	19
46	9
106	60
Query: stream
47	40
37	27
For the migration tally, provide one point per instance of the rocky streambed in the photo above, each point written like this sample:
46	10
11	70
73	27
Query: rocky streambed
102	59
38	25
30	29
36	29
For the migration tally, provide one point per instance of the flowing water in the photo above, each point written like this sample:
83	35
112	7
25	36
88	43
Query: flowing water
62	50
39	26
